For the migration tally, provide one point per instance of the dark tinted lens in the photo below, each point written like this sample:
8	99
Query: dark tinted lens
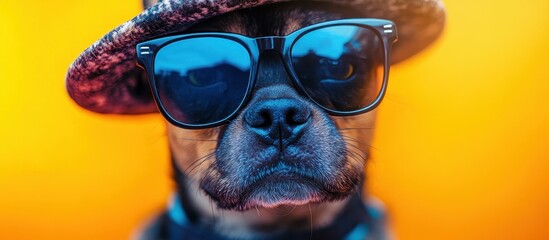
202	80
340	67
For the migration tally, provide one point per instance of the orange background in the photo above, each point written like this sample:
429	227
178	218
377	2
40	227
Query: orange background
461	148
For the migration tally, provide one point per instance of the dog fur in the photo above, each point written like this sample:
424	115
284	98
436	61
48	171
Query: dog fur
247	184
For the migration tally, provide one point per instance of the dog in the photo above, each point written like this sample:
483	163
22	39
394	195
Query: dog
283	163
301	179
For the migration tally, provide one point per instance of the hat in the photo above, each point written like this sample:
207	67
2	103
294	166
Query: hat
105	78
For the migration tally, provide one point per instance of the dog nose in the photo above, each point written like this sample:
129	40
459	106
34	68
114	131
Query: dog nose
278	121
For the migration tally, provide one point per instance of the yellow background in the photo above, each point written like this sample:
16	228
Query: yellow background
461	149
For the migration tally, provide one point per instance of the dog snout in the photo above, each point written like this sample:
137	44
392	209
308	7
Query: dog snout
278	121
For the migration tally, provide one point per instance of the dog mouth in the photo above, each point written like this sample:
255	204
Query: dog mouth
266	177
282	185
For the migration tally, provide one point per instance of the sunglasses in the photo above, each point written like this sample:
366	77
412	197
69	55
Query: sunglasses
202	80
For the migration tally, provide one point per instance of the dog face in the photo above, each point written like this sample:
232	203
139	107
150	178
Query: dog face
281	149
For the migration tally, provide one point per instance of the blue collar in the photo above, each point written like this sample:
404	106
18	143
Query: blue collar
356	221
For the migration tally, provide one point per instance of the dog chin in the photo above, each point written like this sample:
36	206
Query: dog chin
280	188
285	194
288	192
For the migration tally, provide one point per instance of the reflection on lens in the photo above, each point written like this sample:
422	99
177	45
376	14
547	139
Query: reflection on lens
202	80
340	67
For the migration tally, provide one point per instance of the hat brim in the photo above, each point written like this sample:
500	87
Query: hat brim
105	79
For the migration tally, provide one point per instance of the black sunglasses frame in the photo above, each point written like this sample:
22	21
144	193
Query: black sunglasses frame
384	29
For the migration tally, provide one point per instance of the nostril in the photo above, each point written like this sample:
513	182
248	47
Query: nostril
266	119
260	118
295	116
